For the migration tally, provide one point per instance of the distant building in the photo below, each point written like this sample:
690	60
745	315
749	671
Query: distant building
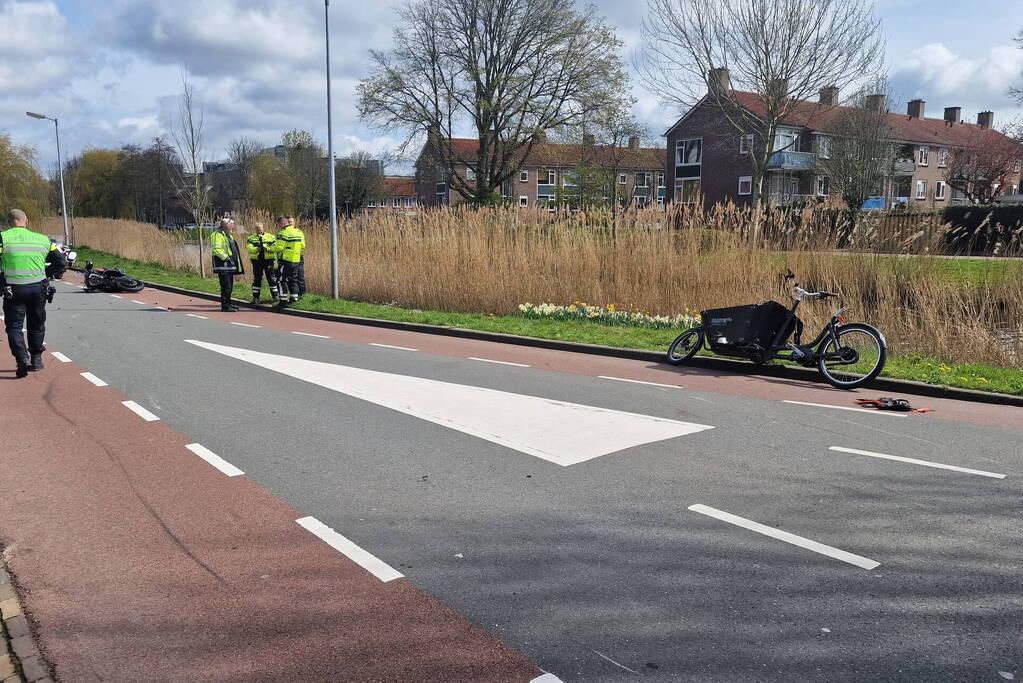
708	158
548	173
399	195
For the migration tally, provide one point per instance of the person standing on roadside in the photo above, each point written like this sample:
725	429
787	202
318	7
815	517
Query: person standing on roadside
24	281
301	264
262	248
227	262
292	244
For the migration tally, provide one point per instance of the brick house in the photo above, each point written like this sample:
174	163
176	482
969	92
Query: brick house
707	157
399	195
548	175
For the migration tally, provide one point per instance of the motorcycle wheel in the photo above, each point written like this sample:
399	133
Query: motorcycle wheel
129	284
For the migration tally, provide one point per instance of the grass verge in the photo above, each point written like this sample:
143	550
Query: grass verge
909	367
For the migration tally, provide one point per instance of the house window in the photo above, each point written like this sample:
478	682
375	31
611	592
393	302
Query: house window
408	201
745	185
923	155
824	147
660	200
568	179
942	157
688	158
622	179
687	190
396	202
939	190
523	201
442	193
642	180
921	189
1015	189
547	200
745	143
523	176
660	179
823	186
547	178
786	139
371	204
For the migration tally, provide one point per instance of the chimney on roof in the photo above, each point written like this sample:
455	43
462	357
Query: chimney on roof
433	135
986	119
829	96
634	142
915	109
588	139
718	81
953	114
874	103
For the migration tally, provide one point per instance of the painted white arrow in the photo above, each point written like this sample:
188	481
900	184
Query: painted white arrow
557	431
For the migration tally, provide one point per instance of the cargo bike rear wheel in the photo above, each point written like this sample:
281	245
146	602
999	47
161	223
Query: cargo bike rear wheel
685	346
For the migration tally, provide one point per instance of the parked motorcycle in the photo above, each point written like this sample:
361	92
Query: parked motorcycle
110	280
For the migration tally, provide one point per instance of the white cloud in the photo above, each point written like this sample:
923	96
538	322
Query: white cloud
937	69
35	55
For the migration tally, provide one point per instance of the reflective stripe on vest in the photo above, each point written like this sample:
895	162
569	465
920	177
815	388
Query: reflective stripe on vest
23	256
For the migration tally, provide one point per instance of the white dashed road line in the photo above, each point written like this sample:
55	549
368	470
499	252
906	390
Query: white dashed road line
244	324
60	356
546	678
116	296
888	413
914	461
193	315
858	560
373	565
94	379
637	381
388	346
500	362
140	411
215	460
307	334
140	303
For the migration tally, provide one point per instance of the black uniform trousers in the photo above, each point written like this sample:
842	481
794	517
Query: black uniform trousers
301	276
258	269
226	287
27	308
289	281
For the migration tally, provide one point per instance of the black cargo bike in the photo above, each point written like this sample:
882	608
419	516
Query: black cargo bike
848	355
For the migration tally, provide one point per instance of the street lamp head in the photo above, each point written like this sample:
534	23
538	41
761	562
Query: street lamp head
34	115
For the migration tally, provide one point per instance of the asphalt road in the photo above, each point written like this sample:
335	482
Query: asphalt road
600	571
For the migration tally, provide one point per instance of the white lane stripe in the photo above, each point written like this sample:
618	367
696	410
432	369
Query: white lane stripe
94	379
117	296
244	325
547	678
858	560
871	411
914	461
60	356
136	301
637	381
500	362
140	411
161	308
193	315
388	346
373	565
214	459
307	334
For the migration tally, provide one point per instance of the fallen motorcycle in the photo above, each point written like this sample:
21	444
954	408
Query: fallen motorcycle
109	280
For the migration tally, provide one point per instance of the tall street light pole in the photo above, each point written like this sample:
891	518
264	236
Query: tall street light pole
330	161
60	168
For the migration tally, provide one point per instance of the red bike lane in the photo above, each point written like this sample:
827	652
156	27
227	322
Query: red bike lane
137	560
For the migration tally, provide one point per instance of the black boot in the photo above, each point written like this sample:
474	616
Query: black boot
23	367
230	309
37	362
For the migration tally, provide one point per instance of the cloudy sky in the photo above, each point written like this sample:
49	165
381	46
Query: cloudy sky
111	70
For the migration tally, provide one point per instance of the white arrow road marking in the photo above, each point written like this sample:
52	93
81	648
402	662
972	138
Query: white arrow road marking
858	560
557	431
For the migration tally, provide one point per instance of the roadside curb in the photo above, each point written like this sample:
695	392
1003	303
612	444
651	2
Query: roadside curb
703	362
20	660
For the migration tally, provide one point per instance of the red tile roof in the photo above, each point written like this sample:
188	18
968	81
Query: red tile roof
818	117
552	154
400	186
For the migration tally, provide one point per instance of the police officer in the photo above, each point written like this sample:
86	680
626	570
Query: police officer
262	247
227	261
24	256
301	264
291	243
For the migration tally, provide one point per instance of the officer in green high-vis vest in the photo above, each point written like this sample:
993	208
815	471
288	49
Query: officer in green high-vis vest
24	256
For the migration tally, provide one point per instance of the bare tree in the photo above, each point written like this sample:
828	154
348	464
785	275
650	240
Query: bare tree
308	168
240	153
508	70
985	162
360	180
188	136
782	51
1014	91
858	156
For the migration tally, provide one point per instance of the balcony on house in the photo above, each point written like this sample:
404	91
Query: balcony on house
791	161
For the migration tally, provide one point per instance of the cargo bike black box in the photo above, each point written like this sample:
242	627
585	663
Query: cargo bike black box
739	330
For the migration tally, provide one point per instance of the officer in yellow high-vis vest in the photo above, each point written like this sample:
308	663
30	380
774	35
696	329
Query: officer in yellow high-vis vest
290	244
227	261
262	247
24	256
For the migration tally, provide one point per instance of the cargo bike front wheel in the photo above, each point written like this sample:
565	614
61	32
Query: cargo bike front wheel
852	357
685	346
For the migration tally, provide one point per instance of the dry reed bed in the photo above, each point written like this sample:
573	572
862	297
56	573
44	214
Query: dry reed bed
490	261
